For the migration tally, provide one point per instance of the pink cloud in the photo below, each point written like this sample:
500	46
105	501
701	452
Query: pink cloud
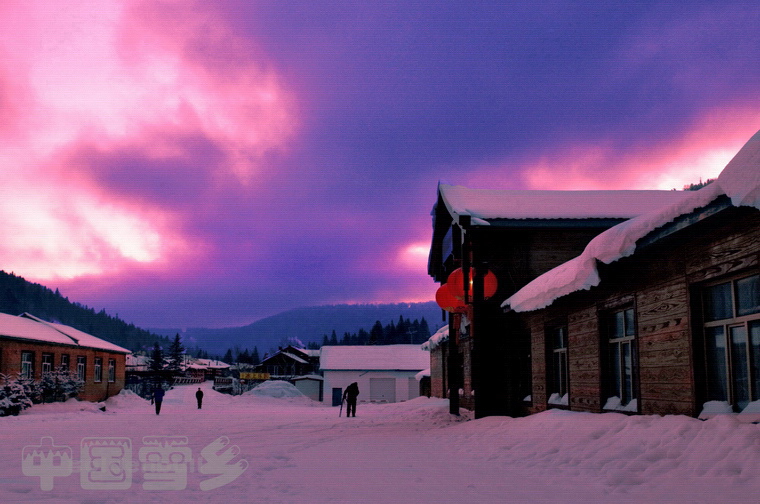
107	76
698	152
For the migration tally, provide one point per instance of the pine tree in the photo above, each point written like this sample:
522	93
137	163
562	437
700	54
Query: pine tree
157	361
245	357
255	359
334	338
376	334
176	355
228	357
424	331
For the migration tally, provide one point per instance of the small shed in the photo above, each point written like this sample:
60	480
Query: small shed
309	385
384	373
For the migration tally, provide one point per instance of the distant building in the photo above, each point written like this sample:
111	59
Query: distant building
385	373
290	362
31	347
309	385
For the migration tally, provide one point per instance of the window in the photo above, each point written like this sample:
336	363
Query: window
558	366
27	365
622	360
47	363
732	341
81	367
65	362
111	370
98	369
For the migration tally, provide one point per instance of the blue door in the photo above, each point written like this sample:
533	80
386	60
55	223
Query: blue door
337	396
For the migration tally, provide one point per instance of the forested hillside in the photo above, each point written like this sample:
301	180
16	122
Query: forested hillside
18	296
311	324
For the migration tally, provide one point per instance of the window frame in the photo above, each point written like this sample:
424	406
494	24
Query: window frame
558	380
621	385
729	363
82	367
27	365
111	370
98	370
65	362
47	363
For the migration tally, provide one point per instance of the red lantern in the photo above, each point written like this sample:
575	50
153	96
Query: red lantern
490	284
455	284
446	301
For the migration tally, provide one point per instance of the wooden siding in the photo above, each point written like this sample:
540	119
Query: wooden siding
659	283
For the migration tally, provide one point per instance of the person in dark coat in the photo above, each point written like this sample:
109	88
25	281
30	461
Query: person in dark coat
158	398
199	397
350	397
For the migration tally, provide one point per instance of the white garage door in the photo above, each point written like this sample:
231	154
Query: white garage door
382	389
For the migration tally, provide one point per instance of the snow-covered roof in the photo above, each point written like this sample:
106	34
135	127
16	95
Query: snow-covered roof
484	205
307	377
290	355
440	336
740	181
422	374
374	357
29	327
212	364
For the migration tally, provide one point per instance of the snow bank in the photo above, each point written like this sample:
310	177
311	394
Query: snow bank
125	399
740	181
276	388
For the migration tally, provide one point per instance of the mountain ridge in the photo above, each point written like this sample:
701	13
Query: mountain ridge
308	324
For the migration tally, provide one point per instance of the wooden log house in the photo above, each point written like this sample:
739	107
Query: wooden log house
660	315
485	364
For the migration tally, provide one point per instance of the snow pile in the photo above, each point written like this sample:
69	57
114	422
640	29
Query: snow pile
125	399
276	389
72	405
740	181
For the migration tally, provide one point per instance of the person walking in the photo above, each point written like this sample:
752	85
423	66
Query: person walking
199	397
158	398
350	397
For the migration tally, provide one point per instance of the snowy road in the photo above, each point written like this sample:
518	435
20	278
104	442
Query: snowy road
293	450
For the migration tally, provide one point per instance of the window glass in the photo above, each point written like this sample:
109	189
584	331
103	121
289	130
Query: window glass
560	338
618	325
754	333
748	295
739	367
627	373
629	326
718	303
615	368
717	372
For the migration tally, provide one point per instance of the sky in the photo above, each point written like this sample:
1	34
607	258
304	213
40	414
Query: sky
184	164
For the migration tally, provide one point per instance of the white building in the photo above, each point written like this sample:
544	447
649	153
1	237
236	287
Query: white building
384	373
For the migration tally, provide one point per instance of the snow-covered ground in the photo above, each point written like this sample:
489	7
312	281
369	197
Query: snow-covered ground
293	450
